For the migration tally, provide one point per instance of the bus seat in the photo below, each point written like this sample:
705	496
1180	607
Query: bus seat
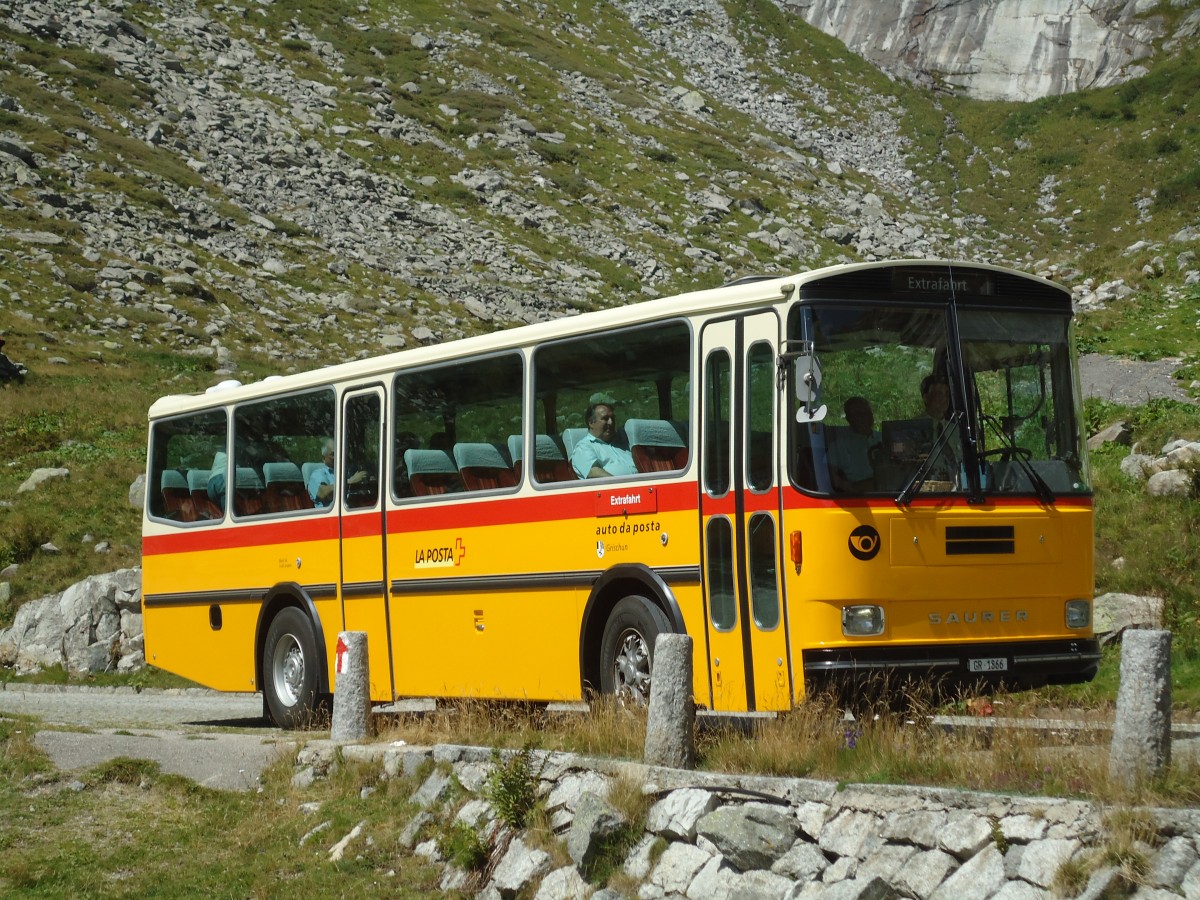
306	470
484	466
285	489
571	437
551	462
657	445
177	502
247	492
516	450
431	472
197	480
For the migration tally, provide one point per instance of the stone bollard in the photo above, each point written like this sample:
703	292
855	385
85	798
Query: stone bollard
670	731
352	689
1141	737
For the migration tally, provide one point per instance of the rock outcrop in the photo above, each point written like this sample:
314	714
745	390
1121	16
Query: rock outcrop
92	626
998	49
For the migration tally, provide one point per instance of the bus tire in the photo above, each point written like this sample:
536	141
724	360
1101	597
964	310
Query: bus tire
290	669
627	649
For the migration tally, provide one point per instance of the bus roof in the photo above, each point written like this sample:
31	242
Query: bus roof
741	293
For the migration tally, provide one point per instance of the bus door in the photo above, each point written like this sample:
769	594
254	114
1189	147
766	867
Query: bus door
364	559
748	660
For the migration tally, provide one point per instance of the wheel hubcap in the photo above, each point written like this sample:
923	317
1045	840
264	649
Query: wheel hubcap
631	668
289	670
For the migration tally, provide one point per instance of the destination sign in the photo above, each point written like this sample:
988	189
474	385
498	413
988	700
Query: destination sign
626	502
942	281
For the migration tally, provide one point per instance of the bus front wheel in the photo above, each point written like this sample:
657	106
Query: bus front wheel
290	669
627	649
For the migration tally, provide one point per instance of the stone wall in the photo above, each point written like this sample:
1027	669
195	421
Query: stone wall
722	836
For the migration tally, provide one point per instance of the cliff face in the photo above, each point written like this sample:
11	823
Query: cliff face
995	49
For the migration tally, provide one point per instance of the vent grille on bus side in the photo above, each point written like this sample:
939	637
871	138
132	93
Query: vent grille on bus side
965	540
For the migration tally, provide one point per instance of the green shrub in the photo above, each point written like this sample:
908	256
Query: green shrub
123	770
512	787
462	846
1182	190
26	533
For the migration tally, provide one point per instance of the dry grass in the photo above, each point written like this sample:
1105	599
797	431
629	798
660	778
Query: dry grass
609	729
880	745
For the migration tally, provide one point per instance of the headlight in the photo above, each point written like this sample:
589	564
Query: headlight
858	621
1079	613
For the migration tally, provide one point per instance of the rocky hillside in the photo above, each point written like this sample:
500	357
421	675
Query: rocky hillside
310	181
234	178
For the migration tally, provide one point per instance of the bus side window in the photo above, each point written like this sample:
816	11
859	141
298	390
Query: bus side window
641	374
454	426
272	440
181	453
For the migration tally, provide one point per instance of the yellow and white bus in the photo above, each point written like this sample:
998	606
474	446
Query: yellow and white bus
858	469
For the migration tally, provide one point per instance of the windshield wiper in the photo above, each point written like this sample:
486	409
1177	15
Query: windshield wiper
914	484
1021	455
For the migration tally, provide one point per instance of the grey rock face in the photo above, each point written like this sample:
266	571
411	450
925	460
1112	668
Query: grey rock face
595	824
1002	50
752	836
92	626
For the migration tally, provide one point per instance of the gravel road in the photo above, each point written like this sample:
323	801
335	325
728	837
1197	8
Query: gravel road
217	740
1130	381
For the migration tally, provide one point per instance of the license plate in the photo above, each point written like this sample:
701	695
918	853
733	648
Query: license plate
988	664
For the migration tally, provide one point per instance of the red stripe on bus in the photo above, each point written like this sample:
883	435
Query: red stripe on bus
230	537
499	511
546	508
362	525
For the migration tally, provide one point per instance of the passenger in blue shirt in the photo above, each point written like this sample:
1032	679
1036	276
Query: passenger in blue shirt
596	456
322	480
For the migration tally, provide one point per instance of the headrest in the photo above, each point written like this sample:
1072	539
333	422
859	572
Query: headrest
173	478
482	455
656	433
428	462
280	471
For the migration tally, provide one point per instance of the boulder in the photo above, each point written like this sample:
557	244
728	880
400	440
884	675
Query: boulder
92	626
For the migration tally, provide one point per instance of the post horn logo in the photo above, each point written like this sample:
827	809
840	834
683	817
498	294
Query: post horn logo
864	542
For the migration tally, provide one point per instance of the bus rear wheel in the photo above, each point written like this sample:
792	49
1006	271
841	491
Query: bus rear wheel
290	669
627	649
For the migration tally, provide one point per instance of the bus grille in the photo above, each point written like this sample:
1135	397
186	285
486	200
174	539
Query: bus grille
967	540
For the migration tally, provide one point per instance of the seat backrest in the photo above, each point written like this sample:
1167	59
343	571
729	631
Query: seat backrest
484	466
247	492
551	461
516	450
571	437
177	501
306	470
285	488
431	472
197	480
657	445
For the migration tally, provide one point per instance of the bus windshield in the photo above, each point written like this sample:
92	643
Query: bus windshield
911	410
